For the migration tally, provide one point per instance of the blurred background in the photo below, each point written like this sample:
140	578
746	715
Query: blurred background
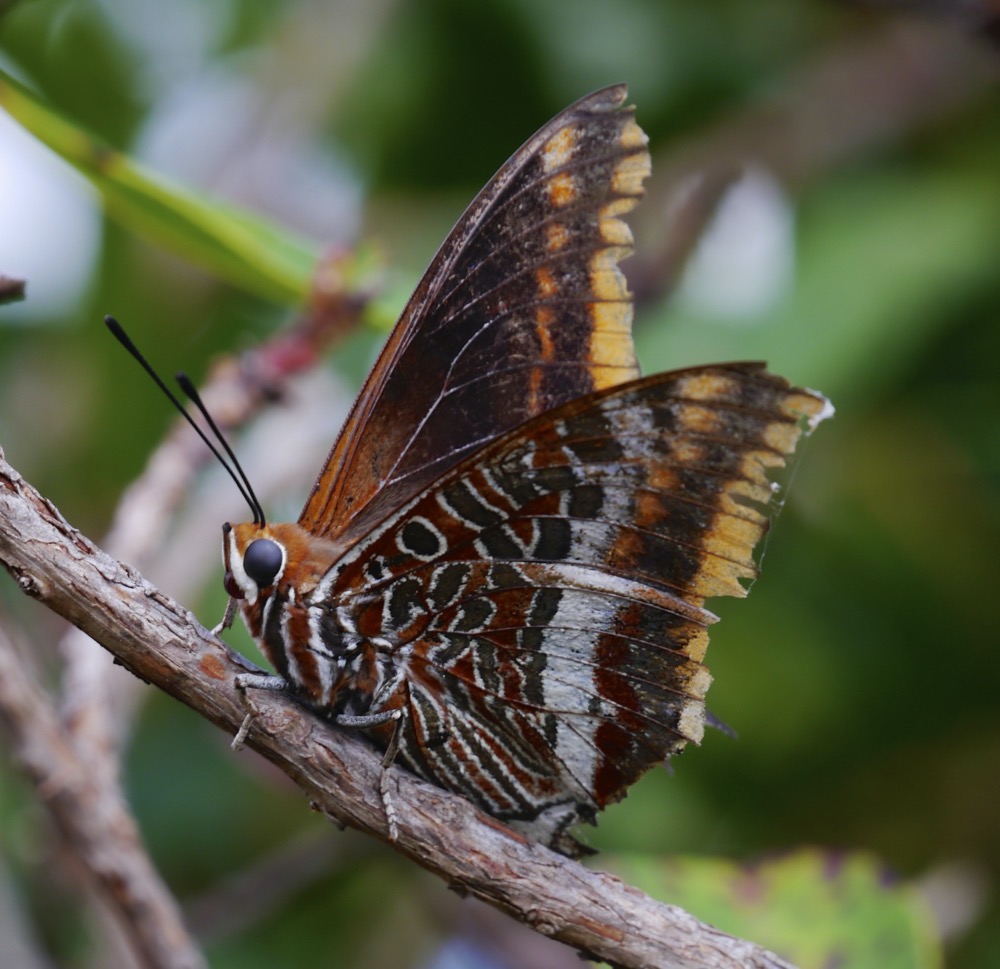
858	254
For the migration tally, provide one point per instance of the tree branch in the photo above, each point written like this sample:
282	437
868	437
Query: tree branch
163	644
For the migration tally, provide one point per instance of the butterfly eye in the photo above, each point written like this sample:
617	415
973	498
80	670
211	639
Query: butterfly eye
262	561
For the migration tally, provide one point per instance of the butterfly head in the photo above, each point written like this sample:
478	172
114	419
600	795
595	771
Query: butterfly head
260	557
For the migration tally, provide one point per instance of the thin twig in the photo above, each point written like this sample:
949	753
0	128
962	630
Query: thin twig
162	643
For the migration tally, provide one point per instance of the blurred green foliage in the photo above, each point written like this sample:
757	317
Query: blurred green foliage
813	908
862	674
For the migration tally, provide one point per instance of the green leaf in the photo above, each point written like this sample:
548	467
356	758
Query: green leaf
244	249
815	908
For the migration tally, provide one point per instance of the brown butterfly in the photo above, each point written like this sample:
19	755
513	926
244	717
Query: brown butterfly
500	574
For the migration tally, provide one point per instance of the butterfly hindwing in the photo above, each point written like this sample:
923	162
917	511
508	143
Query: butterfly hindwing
546	596
522	309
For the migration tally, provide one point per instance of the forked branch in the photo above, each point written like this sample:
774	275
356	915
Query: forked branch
162	643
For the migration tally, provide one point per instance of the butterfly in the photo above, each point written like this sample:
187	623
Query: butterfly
501	571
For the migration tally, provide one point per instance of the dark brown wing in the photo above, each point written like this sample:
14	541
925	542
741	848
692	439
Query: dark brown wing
522	309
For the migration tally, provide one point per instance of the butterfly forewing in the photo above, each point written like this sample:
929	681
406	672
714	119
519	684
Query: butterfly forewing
523	308
546	595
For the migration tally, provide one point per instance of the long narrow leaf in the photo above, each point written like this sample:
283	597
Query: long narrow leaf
242	248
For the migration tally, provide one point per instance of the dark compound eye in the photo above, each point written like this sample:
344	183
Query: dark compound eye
262	560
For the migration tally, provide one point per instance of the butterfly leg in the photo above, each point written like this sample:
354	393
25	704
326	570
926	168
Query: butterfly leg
252	681
375	720
227	618
383	779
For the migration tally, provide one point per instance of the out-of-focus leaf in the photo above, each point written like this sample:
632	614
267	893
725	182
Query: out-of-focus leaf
815	908
242	248
879	260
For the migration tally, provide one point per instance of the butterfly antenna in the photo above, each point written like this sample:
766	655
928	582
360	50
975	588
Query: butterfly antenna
241	481
190	390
